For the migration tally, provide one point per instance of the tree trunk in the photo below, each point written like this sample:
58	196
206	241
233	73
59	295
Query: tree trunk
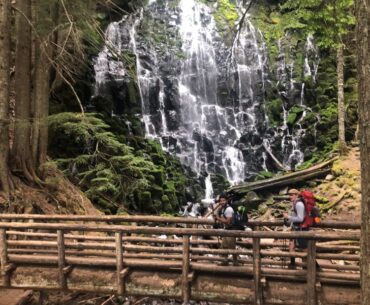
363	70
4	93
21	154
341	107
41	103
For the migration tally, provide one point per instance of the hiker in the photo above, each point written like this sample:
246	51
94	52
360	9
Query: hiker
296	219
225	217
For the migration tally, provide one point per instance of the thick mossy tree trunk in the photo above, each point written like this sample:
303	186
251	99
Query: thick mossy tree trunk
41	104
363	69
4	93
21	154
45	15
341	107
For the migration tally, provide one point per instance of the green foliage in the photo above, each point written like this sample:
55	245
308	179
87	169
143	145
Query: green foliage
104	167
274	109
112	173
329	20
294	114
274	24
226	14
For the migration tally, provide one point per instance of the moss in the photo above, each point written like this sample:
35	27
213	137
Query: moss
156	191
158	175
226	14
265	174
170	186
166	204
274	110
145	200
338	169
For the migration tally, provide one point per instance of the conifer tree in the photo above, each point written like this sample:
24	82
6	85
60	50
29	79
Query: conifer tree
4	93
363	69
21	156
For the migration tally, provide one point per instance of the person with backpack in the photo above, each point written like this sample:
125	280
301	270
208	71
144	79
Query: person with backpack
225	218
297	222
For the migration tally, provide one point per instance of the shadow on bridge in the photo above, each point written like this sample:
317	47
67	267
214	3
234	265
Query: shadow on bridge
178	258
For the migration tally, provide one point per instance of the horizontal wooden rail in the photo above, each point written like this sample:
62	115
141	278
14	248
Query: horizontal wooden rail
313	235
89	253
160	219
155	240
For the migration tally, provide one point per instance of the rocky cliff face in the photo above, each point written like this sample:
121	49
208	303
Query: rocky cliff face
224	103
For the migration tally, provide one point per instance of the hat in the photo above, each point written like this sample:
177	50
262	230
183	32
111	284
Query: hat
293	191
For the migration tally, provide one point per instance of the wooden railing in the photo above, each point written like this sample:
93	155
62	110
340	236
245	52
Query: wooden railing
159	219
69	249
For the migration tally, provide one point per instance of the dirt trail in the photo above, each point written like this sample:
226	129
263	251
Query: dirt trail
15	297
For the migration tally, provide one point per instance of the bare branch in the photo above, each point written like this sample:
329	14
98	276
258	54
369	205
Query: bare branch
241	21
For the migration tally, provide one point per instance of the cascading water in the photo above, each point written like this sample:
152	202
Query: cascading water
249	59
108	62
291	137
202	100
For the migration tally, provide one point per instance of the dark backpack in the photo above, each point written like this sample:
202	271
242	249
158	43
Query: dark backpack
312	215
240	218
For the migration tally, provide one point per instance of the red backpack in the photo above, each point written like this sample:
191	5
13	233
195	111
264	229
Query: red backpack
312	215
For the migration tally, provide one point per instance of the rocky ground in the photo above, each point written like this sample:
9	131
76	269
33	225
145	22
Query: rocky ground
338	194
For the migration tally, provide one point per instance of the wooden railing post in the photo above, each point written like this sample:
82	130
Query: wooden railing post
311	273
185	269
119	263
4	258
61	260
258	297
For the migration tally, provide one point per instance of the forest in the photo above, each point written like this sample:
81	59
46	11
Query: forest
151	107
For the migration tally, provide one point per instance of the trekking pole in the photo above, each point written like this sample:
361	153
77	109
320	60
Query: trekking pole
214	210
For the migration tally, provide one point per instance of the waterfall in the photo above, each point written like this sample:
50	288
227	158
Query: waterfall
291	137
249	58
201	99
108	61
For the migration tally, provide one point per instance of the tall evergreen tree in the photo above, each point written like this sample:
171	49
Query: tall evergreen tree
363	69
21	152
4	93
45	16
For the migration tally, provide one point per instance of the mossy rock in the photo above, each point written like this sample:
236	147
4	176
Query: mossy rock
166	203
265	174
337	169
274	109
157	205
219	183
172	198
262	209
158	175
145	200
158	159
156	191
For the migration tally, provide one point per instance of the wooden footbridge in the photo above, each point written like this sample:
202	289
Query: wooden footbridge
178	258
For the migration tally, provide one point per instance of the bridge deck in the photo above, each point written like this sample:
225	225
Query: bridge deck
94	254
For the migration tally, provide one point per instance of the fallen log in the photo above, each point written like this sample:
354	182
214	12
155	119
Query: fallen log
288	179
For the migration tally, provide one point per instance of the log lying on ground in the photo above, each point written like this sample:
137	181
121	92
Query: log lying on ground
289	179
